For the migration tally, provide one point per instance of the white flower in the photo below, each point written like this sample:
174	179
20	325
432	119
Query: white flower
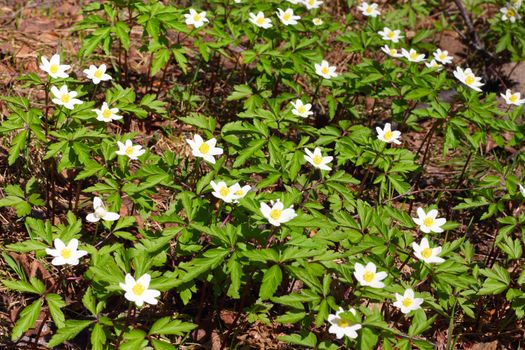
301	110
516	3
276	214
100	212
65	254
138	292
97	74
390	51
127	149
312	4
317	21
295	2
196	19
429	255
317	160
287	17
369	10
106	114
522	190
392	35
260	21
239	192
65	98
512	98
387	135
202	149
367	275
237	1
412	55
407	302
54	68
325	70
341	327
510	14
222	191
468	78
434	64
428	222
442	56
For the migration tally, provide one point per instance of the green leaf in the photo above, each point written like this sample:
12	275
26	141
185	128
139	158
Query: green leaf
55	303
121	29
98	337
174	327
68	332
18	143
272	278
21	286
27	319
240	92
309	341
160	59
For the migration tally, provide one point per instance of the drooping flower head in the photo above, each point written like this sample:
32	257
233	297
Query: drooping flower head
65	254
138	291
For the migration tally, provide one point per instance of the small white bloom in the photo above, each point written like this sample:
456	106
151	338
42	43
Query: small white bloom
276	214
367	275
412	55
260	21
295	2
369	10
65	254
407	302
392	35
195	18
442	56
429	255
522	190
512	98
222	191
106	114
287	17
239	192
317	21
301	110
138	292
100	212
237	1
128	149
205	150
65	98
325	70
312	4
97	74
516	3
317	160
434	64
468	78
341	327
387	135
54	68
428	222
509	14
390	51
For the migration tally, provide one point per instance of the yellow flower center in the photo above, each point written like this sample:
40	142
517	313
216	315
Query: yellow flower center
393	52
66	253
138	289
65	98
513	98
107	113
276	214
369	10
426	253
129	150
511	12
413	55
428	222
391	34
53	68
325	70
301	109
287	16
317	159
98	74
469	80
368	276
260	20
388	135
204	148
239	193
442	56
224	191
407	302
311	2
343	323
197	17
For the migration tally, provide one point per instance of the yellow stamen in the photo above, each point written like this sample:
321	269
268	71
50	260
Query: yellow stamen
428	222
138	289
343	323
65	98
426	253
66	253
325	70
129	150
204	148
224	191
98	74
511	12
393	52
391	35
275	214
388	135
260	21
301	109
469	80
197	17
413	55
369	10
239	193
368	276
317	159
107	113
513	98
407	302
287	16
53	68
